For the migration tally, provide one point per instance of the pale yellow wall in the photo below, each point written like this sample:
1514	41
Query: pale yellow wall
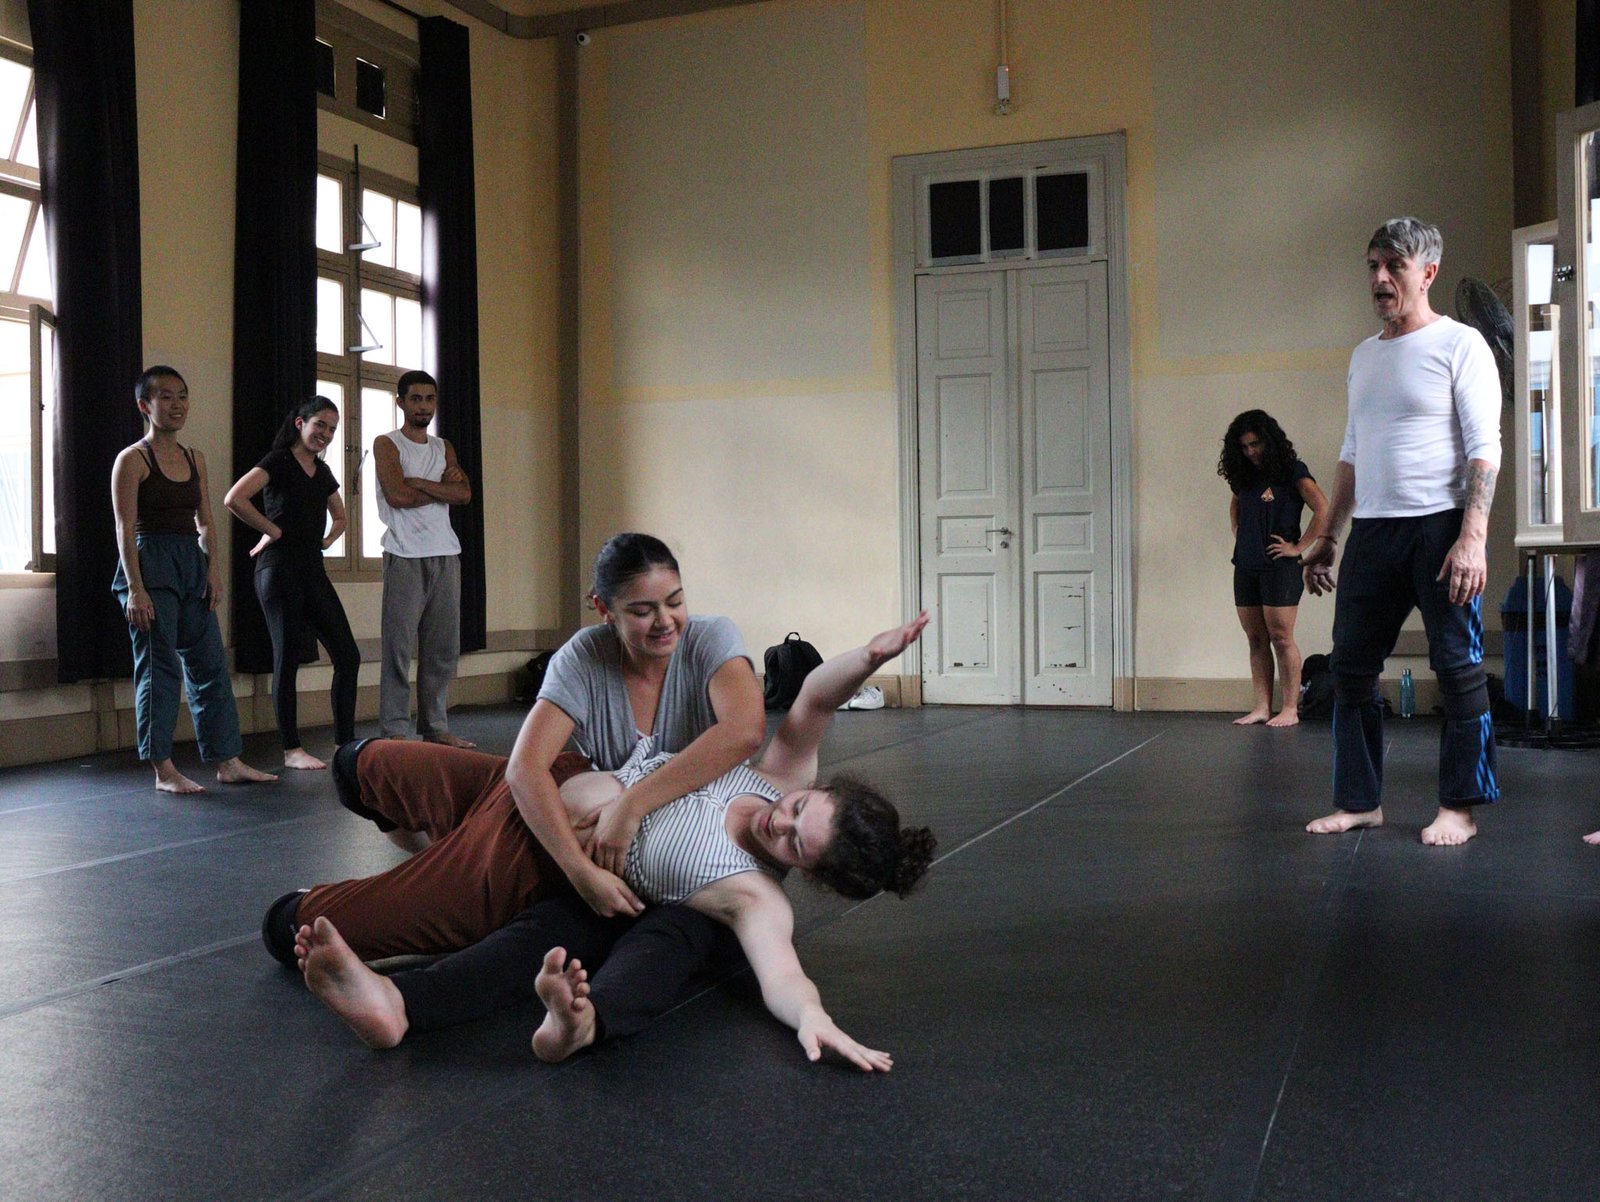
732	401
1261	153
1279	148
186	55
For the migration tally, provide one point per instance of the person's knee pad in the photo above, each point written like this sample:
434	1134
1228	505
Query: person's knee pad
347	781
278	927
1355	690
1464	695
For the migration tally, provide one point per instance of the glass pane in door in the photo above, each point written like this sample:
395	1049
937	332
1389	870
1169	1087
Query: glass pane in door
1544	507
1590	249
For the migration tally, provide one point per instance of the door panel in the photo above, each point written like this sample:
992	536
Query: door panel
1014	427
1066	485
967	451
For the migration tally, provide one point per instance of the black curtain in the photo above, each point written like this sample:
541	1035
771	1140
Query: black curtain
275	263
89	178
450	285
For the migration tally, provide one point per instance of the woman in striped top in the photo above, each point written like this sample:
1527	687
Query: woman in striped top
721	850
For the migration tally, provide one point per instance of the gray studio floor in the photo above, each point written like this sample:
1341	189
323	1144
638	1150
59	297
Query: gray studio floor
1131	975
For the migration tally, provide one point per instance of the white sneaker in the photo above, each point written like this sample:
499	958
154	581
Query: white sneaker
870	697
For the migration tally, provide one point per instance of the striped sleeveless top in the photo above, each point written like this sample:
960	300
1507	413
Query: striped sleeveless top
684	846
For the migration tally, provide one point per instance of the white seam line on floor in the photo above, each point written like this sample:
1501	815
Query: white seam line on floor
157	848
122	974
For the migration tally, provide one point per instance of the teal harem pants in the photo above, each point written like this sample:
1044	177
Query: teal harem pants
182	647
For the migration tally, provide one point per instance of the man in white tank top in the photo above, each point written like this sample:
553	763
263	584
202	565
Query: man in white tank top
418	480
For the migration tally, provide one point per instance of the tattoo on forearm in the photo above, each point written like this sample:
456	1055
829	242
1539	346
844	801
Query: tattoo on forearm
1480	488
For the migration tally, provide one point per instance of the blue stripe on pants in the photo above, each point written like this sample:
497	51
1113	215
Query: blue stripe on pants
1390	567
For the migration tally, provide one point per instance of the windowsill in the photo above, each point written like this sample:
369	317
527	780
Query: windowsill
27	580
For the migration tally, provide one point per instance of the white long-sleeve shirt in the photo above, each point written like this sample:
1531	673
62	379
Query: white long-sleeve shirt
1421	406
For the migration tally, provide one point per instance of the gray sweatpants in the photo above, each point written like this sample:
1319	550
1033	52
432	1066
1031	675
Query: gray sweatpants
421	609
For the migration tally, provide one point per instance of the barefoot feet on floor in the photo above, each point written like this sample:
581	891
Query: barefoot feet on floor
237	772
568	1027
449	740
1340	821
300	758
170	780
1255	717
1449	828
367	1001
1593	837
1285	717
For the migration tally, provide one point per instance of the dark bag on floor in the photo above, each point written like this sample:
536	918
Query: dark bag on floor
533	677
1316	688
787	666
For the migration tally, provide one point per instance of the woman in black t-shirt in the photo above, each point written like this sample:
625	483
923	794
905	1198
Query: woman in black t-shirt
299	495
1271	488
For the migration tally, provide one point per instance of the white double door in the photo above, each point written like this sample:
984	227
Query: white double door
1014	463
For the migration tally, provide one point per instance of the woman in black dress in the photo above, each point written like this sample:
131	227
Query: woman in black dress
1271	488
299	496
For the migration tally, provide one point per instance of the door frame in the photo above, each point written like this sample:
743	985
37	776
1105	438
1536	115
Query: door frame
1105	157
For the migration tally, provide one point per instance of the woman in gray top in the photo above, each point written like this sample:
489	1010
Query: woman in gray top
649	671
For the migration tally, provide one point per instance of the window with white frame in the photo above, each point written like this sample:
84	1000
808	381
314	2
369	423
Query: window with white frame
27	332
1042	212
369	330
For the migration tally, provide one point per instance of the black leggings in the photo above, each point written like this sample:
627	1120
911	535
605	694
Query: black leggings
298	600
638	969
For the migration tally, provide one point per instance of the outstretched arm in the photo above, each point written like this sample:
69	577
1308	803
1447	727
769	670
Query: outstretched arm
790	759
760	914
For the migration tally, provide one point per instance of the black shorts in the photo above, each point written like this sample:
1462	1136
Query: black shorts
1277	587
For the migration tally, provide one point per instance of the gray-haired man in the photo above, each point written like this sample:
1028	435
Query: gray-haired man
1418	466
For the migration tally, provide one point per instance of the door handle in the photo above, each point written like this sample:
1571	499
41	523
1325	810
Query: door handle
1005	536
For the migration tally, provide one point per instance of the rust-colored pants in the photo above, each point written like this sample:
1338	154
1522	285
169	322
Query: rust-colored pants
481	868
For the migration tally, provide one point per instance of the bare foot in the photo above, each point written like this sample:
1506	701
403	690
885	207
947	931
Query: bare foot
1254	718
299	757
1449	828
1594	837
170	780
367	1001
1286	717
449	740
1340	821
568	1025
237	772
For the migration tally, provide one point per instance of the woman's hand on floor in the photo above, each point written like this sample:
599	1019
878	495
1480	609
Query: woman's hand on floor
817	1032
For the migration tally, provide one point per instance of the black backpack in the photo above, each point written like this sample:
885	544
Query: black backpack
532	677
787	666
1316	688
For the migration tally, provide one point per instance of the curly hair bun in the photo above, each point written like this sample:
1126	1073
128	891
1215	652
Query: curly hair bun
916	854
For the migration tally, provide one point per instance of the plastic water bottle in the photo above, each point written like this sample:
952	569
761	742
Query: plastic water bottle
1408	694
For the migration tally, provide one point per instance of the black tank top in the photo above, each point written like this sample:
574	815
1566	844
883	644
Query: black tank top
167	506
